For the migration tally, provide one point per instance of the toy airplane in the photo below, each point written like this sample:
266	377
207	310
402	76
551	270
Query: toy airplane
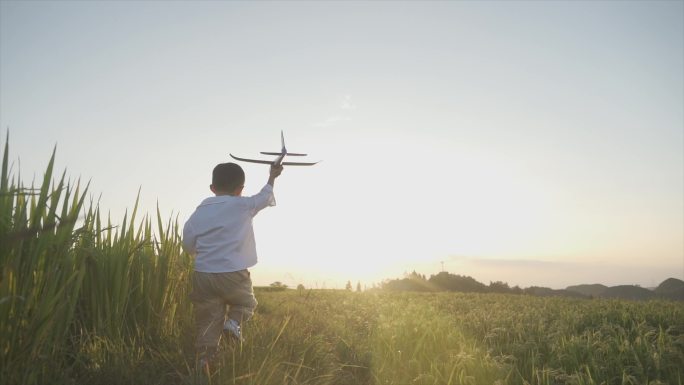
279	160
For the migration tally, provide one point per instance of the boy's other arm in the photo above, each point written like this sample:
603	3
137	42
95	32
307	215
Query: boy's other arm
189	239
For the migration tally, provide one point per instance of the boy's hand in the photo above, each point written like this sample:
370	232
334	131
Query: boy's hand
275	172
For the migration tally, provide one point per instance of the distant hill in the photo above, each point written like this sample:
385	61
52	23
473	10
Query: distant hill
594	290
629	292
547	292
671	288
455	282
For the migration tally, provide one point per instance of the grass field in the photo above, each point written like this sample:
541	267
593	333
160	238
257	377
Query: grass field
84	302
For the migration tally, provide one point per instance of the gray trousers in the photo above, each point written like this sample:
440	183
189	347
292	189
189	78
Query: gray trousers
216	296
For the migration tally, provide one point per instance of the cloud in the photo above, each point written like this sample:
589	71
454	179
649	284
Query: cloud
518	263
332	121
347	103
346	106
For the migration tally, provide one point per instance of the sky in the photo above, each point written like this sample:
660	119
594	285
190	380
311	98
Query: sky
536	143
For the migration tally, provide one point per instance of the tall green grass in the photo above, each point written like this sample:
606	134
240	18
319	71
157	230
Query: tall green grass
83	301
69	281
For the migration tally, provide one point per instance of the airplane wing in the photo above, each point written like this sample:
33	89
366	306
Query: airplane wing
251	160
280	153
298	163
271	162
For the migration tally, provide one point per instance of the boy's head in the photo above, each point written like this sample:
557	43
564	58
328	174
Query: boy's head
227	179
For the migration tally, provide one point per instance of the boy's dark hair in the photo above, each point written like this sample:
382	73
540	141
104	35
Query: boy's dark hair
227	177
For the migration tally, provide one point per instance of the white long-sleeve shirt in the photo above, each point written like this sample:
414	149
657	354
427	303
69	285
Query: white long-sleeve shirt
220	235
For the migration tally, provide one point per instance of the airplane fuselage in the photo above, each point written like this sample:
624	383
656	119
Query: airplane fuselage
280	156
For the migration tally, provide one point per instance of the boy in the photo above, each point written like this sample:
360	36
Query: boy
220	236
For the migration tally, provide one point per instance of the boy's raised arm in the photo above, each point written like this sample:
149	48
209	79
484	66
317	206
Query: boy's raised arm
265	197
274	173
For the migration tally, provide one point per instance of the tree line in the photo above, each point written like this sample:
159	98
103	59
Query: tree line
445	281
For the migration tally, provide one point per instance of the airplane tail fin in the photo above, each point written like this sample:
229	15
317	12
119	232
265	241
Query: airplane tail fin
282	140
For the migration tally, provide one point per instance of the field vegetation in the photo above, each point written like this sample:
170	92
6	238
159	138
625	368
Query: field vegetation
85	302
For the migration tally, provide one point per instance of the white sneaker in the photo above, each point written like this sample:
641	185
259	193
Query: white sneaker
203	365
232	328
205	357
